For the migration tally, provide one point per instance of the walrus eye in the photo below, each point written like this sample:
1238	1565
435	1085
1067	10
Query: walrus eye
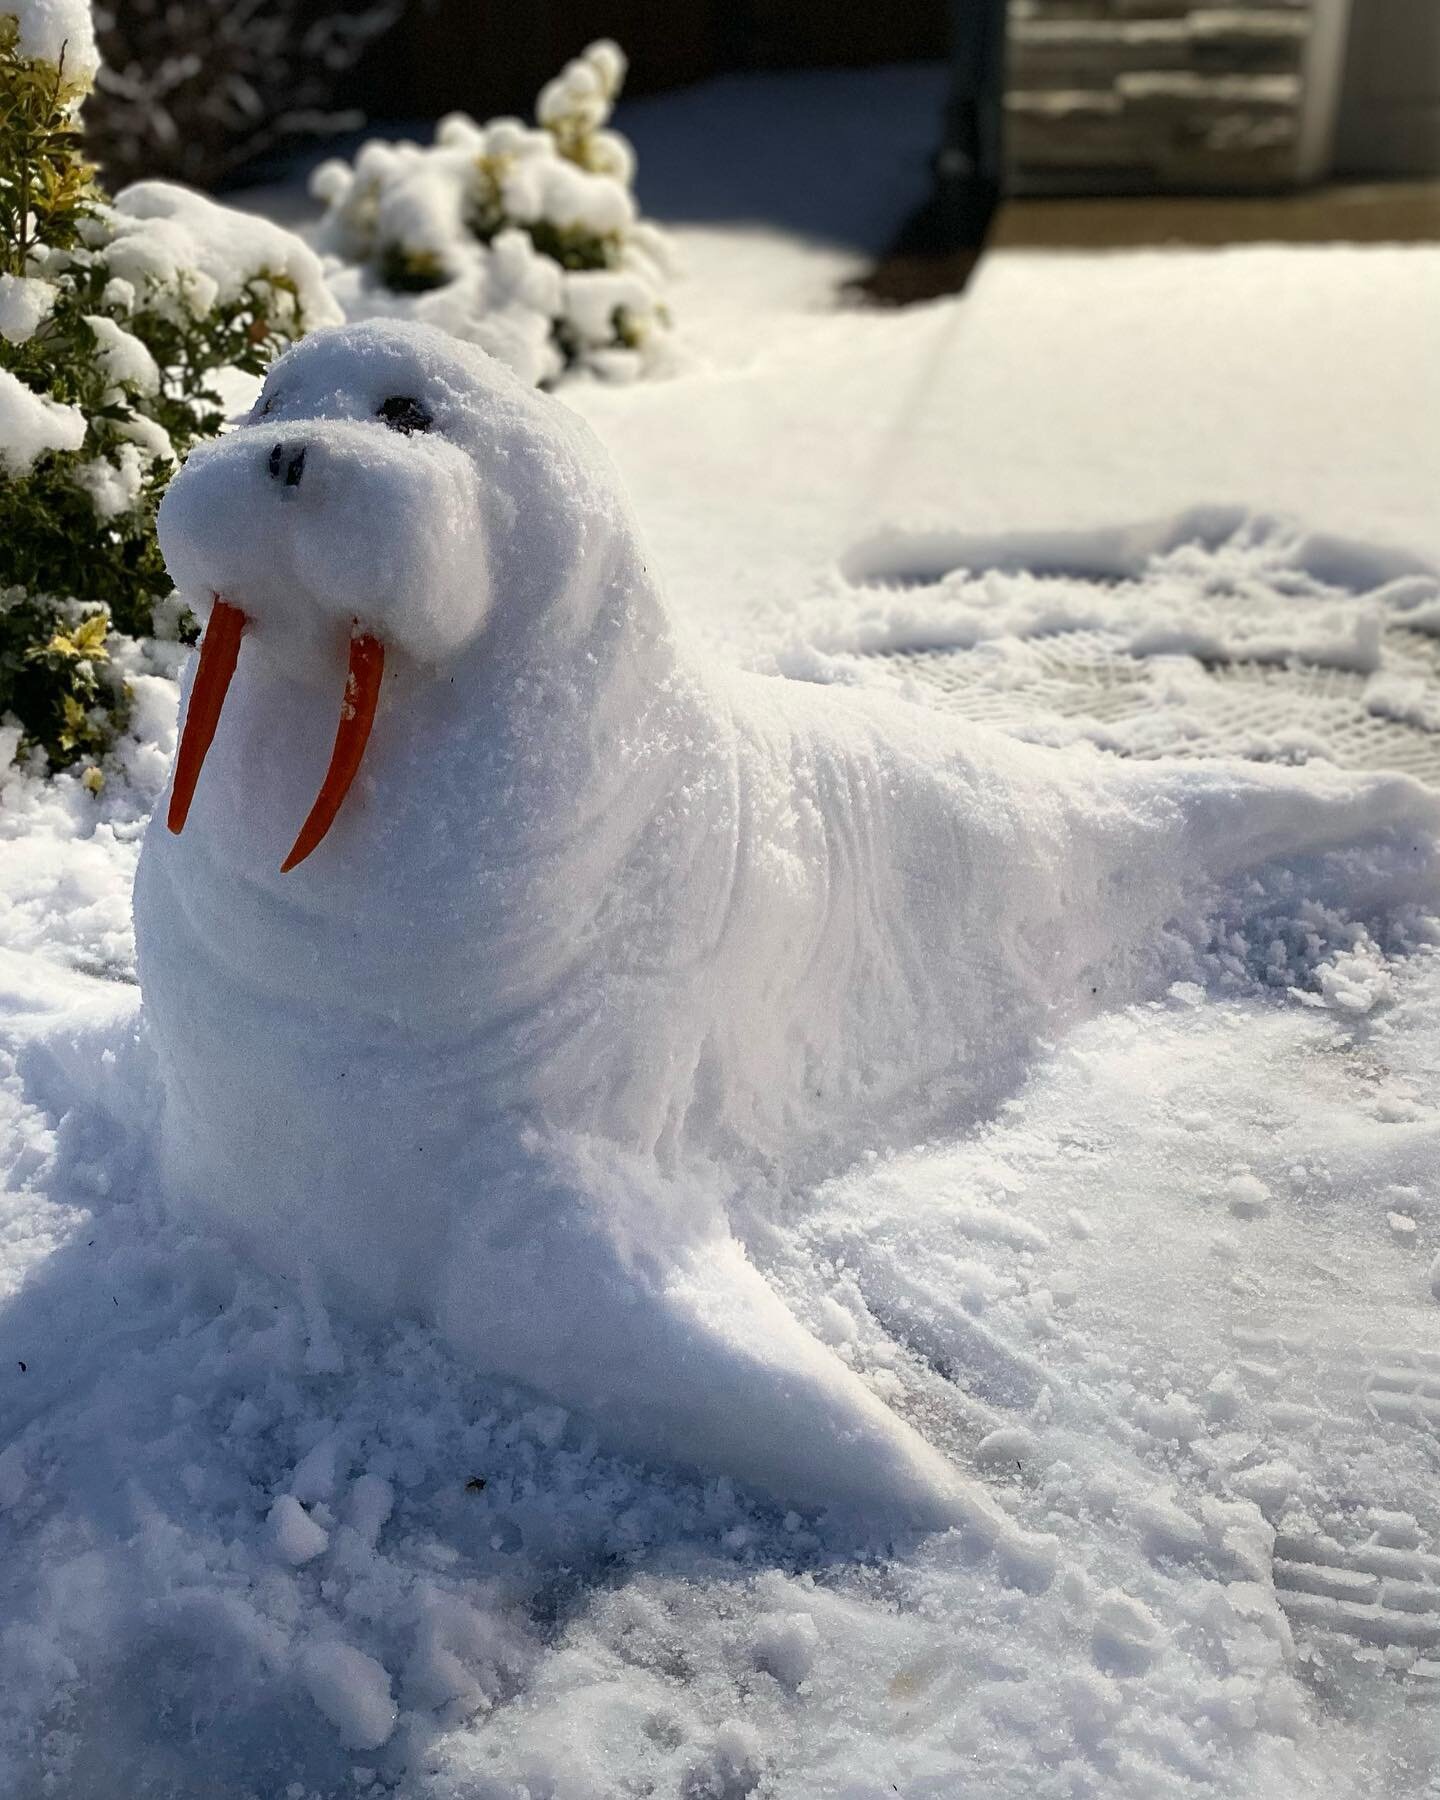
401	413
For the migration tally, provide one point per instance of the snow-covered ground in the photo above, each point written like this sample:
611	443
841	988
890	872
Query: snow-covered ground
1175	1301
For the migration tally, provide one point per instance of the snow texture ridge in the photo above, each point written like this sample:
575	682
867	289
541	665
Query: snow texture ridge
601	921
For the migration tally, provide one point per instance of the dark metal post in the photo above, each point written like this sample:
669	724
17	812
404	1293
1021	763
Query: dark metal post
939	244
969	167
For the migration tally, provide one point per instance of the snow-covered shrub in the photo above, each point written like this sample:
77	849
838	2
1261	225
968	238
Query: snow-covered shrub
192	91
523	239
115	319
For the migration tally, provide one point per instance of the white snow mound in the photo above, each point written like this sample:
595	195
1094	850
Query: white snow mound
596	916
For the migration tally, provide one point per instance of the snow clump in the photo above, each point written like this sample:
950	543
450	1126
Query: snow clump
24	302
31	424
59	32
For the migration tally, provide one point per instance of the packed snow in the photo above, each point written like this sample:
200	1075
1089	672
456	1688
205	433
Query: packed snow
1153	1273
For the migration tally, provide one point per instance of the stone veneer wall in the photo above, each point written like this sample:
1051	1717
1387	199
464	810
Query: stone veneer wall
1154	94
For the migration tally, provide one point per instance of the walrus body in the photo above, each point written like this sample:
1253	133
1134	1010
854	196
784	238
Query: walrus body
594	922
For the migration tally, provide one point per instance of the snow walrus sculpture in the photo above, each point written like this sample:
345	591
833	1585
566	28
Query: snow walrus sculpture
456	1001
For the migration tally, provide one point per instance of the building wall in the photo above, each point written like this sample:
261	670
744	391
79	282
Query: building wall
1147	94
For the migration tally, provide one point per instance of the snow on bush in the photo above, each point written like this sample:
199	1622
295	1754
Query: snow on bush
523	240
115	319
59	33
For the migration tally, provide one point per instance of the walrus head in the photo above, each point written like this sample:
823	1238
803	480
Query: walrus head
386	486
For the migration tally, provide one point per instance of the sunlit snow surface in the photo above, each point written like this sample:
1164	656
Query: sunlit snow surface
1174	1303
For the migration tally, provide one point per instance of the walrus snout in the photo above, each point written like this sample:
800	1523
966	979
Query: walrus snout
343	538
328	522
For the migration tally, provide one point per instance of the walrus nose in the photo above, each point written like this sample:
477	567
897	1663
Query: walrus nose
287	463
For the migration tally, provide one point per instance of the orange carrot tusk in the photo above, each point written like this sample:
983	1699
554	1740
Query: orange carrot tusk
357	715
218	654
